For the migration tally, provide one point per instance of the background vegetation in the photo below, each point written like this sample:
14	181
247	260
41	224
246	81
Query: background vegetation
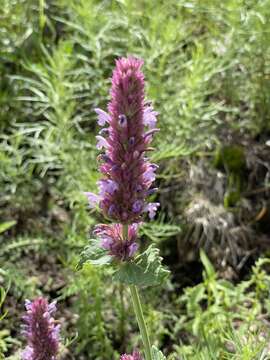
207	65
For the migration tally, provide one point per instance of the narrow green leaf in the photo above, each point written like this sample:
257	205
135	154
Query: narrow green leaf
209	269
6	225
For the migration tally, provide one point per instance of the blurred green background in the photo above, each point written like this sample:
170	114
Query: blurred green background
207	68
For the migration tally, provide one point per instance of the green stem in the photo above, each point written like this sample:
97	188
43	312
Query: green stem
138	312
42	17
141	322
122	315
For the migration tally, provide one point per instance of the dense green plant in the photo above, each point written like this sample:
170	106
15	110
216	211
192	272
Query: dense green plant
3	333
92	326
207	68
226	320
240	34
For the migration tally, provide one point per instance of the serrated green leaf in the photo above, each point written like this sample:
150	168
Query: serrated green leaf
145	270
157	354
6	225
94	254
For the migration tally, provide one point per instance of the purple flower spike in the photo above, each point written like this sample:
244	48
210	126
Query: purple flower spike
111	237
131	126
40	330
135	356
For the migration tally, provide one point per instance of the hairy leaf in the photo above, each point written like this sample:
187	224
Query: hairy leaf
157	354
94	254
145	270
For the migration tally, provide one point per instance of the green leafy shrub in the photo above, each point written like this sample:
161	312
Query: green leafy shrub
225	320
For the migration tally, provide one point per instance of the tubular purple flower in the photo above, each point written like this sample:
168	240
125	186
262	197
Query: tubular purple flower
135	356
125	142
40	330
111	237
103	117
151	209
93	199
149	116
